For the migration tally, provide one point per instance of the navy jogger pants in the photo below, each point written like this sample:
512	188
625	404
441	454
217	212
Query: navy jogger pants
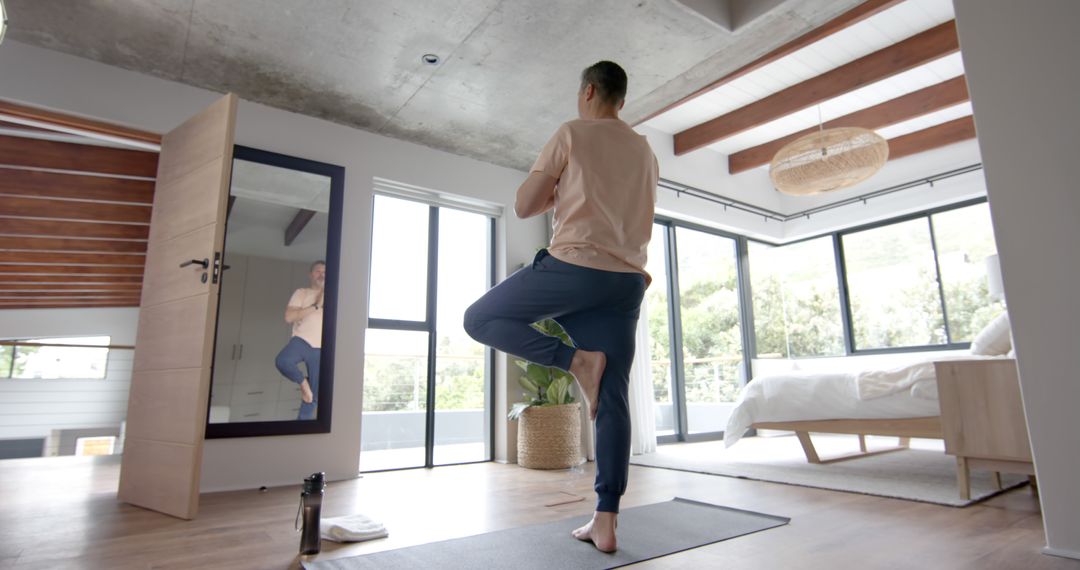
599	310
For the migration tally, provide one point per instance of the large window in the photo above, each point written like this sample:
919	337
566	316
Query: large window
965	239
892	286
426	383
796	299
55	358
711	335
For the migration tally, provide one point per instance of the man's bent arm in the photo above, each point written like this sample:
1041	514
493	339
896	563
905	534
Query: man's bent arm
293	314
536	195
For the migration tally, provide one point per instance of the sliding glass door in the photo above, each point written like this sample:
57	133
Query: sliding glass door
695	323
427	385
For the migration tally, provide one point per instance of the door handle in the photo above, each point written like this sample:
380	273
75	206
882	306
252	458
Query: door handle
204	262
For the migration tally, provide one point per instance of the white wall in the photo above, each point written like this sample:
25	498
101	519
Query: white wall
31	408
44	78
1020	60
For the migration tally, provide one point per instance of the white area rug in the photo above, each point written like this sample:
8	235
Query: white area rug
922	473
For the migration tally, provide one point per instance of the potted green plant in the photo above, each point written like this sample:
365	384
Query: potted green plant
549	430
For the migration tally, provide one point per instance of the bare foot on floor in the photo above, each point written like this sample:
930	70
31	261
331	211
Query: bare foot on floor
305	392
600	531
587	367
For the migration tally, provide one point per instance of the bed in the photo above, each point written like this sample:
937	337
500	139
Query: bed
899	402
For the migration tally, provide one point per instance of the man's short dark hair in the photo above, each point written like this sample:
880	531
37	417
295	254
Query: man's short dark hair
608	79
316	264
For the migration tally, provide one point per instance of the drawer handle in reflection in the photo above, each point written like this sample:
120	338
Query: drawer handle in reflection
256	414
253	393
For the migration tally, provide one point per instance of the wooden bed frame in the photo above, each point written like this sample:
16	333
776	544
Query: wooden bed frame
903	428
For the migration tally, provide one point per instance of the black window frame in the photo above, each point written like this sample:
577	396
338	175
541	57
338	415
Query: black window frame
850	349
428	325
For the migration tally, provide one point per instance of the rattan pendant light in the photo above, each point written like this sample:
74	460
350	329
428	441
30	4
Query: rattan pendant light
827	160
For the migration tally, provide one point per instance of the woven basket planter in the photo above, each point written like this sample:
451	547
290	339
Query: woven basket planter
549	437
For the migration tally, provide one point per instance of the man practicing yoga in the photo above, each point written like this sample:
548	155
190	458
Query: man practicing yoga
600	177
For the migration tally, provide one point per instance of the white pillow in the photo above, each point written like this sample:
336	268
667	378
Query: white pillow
995	339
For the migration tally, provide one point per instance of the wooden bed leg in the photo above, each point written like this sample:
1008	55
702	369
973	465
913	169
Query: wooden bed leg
862	443
997	480
808	447
962	477
904	442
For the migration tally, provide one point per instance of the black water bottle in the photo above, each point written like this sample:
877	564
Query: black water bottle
311	505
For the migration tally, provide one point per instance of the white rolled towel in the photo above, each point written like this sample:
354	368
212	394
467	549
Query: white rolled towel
351	528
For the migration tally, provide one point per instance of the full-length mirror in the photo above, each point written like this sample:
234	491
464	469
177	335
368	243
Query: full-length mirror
273	351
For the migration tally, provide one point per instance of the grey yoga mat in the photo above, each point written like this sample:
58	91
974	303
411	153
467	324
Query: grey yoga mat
645	532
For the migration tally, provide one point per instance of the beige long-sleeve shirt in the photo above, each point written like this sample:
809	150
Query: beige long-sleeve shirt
605	196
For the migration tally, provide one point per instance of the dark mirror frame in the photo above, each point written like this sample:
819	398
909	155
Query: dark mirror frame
321	424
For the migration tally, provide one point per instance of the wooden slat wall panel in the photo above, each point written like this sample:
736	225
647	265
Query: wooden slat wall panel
71	279
66	294
80	270
72	258
19	151
61	304
29	227
22	286
41	184
73	122
69	244
73	210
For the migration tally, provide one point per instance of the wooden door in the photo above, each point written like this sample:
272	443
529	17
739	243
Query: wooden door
170	380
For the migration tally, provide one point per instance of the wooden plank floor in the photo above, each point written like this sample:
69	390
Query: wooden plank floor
62	513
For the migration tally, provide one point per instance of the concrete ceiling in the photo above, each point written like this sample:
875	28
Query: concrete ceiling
508	72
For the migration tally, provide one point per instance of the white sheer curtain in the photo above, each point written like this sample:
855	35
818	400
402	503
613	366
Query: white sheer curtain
642	408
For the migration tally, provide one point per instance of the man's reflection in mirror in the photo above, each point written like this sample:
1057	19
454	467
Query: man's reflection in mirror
305	314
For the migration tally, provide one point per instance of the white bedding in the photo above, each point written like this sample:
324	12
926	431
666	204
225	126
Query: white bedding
799	396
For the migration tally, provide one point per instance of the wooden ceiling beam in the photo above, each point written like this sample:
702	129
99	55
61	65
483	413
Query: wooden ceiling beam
17	182
50	208
915	104
917	50
75	229
954	131
31	271
34	153
841	22
72	258
297	225
70	244
64	121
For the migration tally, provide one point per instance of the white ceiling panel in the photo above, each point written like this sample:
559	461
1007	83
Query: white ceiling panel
927	121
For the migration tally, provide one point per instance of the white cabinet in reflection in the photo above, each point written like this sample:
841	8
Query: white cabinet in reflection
247	386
